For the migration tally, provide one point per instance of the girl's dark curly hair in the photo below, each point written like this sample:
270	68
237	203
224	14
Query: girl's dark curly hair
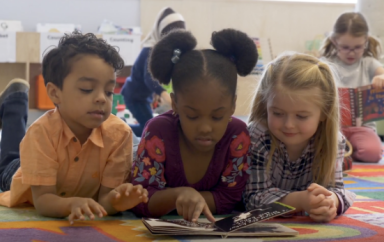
57	62
235	53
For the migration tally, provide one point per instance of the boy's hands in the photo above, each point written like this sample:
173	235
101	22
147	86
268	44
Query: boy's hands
127	196
190	204
84	206
322	206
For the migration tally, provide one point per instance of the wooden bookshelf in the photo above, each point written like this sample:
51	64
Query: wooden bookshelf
28	64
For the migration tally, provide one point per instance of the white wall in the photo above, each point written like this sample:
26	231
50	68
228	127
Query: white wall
287	24
88	13
373	11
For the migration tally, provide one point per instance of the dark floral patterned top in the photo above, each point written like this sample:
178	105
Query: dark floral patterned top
158	163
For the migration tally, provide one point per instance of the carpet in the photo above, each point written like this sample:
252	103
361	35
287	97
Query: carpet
364	221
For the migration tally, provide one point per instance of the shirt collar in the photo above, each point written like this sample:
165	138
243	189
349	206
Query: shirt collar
95	137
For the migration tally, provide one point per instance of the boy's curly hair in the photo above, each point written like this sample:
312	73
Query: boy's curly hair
57	62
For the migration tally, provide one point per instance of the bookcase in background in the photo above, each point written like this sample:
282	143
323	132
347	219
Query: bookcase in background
28	65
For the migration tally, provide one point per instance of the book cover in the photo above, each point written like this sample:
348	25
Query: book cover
347	107
243	224
361	105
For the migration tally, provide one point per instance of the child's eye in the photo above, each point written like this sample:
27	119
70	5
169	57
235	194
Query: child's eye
86	90
277	114
359	47
191	118
109	94
217	118
346	48
302	117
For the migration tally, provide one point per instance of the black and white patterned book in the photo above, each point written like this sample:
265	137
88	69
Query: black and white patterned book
243	224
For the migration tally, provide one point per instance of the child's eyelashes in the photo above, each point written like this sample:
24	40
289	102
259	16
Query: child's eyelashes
191	118
86	90
277	114
302	117
196	117
217	118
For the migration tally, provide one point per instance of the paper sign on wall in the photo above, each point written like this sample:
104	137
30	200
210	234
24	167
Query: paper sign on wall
127	45
7	46
48	41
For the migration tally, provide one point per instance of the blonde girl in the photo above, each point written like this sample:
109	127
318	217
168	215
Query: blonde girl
296	147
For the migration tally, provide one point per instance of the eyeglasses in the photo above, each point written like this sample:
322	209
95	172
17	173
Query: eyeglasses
346	50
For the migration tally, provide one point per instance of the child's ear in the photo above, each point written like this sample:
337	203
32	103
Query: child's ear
173	102
233	105
54	93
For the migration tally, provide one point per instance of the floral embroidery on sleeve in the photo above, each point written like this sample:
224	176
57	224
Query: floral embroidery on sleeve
240	161
149	161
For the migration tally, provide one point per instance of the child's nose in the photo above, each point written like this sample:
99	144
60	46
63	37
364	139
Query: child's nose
100	98
289	122
205	128
351	53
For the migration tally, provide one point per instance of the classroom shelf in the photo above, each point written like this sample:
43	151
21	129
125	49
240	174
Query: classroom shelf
28	64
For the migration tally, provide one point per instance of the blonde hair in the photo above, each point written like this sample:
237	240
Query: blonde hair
355	25
292	72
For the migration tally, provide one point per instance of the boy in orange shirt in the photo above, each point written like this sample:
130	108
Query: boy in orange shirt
74	159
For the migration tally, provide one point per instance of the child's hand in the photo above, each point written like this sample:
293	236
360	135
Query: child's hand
318	196
84	206
127	196
322	207
378	81
324	213
190	204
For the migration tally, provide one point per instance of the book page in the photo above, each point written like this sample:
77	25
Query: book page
172	227
179	223
262	213
264	229
234	223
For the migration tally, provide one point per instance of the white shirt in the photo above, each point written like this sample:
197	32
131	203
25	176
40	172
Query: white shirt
358	74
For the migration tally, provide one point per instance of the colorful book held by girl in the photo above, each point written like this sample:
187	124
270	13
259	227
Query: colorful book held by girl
361	105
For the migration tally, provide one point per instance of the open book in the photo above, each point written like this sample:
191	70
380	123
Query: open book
361	105
244	224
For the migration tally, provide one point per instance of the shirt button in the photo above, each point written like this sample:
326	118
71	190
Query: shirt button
76	159
74	140
62	194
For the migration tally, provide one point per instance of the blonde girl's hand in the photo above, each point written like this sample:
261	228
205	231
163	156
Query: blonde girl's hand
378	81
127	196
324	213
79	207
318	196
190	204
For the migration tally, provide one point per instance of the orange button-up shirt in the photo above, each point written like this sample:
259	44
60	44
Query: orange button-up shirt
51	155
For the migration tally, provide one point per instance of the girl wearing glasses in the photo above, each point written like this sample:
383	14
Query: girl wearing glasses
355	55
